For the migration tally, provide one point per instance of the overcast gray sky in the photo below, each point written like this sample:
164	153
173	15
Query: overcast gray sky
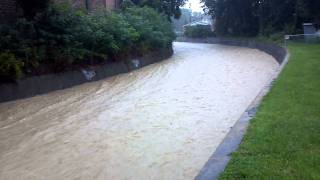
195	5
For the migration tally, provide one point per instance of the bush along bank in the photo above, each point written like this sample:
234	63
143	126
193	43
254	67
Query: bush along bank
198	31
61	39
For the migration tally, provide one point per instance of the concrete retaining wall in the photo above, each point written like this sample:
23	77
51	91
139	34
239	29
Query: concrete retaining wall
274	50
32	86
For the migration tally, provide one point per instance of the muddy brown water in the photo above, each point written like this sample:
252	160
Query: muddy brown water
159	122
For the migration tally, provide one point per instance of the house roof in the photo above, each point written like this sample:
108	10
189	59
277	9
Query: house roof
201	23
308	24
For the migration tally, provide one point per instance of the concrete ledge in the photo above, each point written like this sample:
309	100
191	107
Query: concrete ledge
36	85
222	155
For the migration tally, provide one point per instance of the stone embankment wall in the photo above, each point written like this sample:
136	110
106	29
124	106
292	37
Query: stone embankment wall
32	86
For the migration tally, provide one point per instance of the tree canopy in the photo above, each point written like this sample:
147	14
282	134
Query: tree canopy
170	7
251	17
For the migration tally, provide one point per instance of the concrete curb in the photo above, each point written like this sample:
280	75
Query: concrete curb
37	85
222	155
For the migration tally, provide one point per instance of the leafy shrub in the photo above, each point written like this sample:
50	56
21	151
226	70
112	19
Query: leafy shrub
41	40
154	29
60	37
10	67
105	33
127	4
198	31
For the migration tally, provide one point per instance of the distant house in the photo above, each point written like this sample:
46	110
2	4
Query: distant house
185	18
309	28
208	22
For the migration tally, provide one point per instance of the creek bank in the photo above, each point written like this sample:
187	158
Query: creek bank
42	84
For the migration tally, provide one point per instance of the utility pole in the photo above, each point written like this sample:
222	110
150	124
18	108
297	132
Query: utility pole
190	13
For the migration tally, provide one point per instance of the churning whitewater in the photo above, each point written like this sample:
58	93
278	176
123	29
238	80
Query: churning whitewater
159	122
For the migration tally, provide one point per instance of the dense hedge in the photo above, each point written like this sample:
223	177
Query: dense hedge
61	38
198	31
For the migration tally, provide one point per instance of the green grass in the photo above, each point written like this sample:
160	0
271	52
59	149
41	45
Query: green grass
283	140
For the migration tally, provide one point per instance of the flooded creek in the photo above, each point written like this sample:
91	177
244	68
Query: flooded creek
160	122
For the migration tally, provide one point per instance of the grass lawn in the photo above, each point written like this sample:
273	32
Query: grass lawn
283	140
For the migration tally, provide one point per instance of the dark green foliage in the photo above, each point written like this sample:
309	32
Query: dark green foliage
105	34
235	17
169	7
154	29
198	31
47	38
61	38
250	17
127	4
10	67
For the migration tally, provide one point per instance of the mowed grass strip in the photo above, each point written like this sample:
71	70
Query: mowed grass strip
283	140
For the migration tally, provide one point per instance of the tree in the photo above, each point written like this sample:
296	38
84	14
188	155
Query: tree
250	17
234	17
170	7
